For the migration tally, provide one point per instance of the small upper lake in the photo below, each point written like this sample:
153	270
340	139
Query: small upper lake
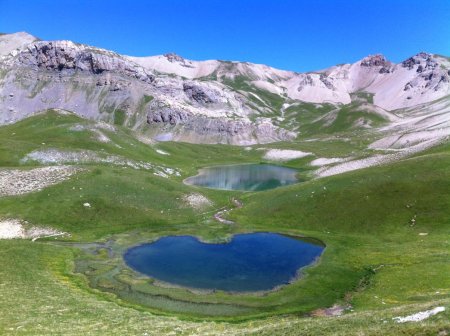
249	262
254	177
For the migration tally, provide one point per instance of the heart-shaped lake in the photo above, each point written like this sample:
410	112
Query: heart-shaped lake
249	262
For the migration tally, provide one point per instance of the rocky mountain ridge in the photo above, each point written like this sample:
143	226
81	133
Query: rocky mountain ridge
427	74
170	98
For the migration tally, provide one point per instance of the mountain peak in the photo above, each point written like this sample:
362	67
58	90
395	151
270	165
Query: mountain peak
422	59
11	42
21	34
424	55
374	60
173	57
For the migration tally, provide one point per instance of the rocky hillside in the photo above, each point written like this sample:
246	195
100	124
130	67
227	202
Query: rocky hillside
419	79
170	98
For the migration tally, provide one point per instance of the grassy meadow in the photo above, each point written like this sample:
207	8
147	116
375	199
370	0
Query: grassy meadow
386	230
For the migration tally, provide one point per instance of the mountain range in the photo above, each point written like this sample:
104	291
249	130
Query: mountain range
168	97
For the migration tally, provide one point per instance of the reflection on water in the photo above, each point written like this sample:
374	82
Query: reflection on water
253	177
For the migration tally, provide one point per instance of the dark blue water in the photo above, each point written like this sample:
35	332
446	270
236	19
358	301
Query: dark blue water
249	262
253	177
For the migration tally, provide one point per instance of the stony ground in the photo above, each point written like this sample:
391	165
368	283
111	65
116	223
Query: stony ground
14	228
17	182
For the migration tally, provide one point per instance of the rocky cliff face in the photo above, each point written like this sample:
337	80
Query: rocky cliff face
170	97
68	58
103	85
213	130
431	75
201	95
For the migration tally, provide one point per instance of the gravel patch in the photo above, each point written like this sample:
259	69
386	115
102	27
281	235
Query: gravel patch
15	229
100	136
284	154
357	164
96	130
197	201
145	140
160	151
326	161
375	160
17	182
420	316
105	126
56	156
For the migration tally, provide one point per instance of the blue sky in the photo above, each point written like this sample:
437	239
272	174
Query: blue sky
295	35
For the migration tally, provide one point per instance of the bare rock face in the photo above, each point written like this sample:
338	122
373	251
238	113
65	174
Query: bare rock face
174	58
102	85
327	82
202	129
423	61
168	115
430	74
68	57
200	94
377	60
305	81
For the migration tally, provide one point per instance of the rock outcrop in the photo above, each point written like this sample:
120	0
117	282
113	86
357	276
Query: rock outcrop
68	57
200	94
429	74
377	60
198	128
168	115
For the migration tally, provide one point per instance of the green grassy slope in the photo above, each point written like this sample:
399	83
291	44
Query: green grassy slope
54	130
369	214
309	119
377	259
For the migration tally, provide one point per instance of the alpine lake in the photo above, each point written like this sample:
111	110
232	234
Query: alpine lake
185	274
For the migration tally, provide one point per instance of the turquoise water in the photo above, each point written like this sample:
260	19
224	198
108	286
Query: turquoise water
253	177
249	262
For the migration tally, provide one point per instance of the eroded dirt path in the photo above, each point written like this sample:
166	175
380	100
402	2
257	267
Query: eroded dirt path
218	216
